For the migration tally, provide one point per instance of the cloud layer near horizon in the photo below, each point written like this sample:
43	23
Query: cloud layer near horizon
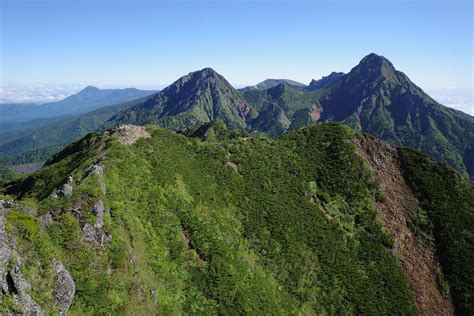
457	99
37	93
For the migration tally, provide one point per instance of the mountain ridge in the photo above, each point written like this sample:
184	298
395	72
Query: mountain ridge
263	217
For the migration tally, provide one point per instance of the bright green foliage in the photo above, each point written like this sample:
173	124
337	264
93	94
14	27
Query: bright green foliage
7	173
449	202
240	226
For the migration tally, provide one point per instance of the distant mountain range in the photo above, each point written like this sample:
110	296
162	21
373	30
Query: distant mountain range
270	83
373	97
313	85
88	99
37	143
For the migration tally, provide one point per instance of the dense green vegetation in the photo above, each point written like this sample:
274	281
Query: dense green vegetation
241	226
7	173
449	202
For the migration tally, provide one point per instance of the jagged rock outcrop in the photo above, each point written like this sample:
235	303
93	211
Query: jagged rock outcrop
64	190
97	169
94	232
63	287
11	280
98	210
5	255
19	287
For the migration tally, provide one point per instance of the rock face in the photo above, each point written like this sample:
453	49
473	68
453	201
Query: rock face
63	287
94	232
129	134
19	287
11	280
97	169
98	211
63	191
45	220
5	256
417	258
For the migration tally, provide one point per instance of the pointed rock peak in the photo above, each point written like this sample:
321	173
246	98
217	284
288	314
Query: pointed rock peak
206	73
375	61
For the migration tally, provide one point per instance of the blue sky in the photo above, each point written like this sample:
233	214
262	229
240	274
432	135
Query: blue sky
151	43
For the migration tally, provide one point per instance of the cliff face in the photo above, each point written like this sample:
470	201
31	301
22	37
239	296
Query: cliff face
417	256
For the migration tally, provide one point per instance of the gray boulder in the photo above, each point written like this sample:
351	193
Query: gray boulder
45	220
19	287
64	190
90	232
98	210
63	287
98	170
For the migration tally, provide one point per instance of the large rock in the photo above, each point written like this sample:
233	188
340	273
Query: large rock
98	210
5	256
64	190
11	281
19	287
63	287
90	233
45	220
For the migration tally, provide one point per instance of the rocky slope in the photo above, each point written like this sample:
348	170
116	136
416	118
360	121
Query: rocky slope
321	220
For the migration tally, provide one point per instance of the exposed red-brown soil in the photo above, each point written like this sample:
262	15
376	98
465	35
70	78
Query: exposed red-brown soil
417	258
315	113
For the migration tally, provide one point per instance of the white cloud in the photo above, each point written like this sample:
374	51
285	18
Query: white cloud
50	93
461	100
36	93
